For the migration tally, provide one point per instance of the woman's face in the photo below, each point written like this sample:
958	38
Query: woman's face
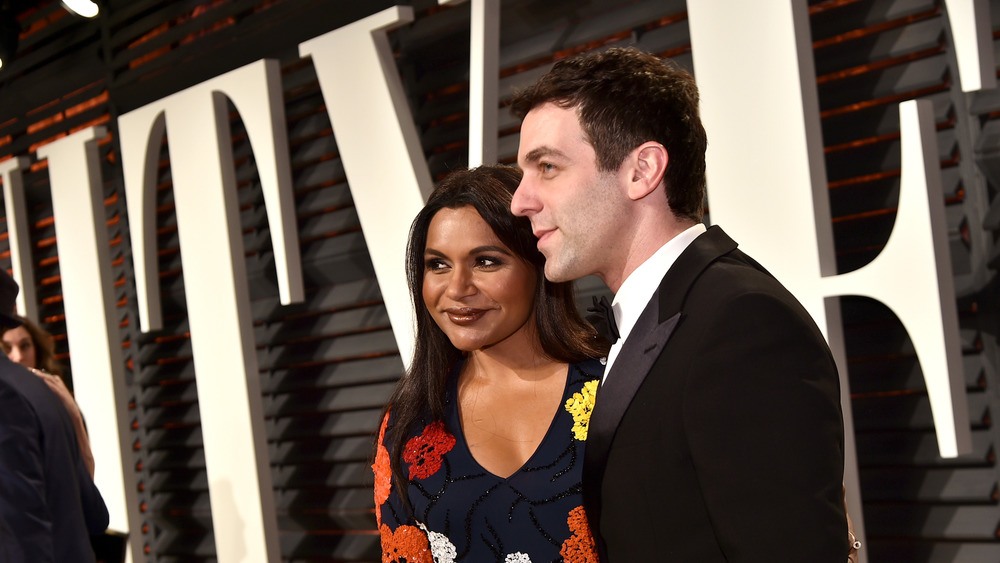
18	346
478	292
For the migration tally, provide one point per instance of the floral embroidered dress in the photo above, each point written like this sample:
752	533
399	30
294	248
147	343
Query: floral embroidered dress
462	512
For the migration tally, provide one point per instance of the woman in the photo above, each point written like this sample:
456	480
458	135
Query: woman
480	452
30	346
33	348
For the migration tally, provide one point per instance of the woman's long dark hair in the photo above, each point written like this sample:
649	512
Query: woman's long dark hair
563	335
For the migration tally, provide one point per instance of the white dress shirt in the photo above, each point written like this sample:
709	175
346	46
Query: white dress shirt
638	288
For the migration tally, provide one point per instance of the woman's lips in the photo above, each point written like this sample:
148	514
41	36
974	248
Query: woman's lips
464	315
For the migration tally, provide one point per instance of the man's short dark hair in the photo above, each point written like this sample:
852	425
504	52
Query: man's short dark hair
623	98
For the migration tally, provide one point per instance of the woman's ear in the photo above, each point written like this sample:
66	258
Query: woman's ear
648	165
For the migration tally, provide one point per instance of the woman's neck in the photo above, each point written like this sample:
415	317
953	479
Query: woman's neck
518	357
527	366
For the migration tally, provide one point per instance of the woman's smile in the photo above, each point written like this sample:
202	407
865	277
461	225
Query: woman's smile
478	292
465	315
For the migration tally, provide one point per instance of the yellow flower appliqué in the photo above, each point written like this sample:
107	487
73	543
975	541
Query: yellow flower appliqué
580	405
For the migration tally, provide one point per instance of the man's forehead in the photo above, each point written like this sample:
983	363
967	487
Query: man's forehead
548	127
554	111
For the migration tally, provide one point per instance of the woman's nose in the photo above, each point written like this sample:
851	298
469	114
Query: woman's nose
460	283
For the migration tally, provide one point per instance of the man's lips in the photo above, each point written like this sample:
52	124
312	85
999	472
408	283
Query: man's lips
464	315
543	234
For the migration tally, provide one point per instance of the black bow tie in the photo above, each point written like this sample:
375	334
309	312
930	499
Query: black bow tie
603	318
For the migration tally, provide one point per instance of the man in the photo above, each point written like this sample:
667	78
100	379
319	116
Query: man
49	505
717	435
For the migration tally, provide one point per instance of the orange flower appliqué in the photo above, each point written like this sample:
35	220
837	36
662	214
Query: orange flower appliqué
408	544
425	452
580	546
383	471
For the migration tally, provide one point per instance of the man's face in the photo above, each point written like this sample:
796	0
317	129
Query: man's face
575	209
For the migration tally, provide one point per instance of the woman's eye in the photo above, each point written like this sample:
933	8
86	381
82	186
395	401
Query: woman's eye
488	262
434	264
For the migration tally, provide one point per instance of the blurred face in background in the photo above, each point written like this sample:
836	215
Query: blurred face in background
19	347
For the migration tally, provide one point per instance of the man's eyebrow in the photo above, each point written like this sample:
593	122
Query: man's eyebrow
534	155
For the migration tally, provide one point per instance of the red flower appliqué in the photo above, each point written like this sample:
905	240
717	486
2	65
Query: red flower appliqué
408	544
425	452
579	547
383	472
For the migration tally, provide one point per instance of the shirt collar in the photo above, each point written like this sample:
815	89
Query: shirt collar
637	289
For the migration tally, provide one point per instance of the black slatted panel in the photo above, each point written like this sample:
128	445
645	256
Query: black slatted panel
52	43
870	56
172	452
328	364
49	33
77	110
433	61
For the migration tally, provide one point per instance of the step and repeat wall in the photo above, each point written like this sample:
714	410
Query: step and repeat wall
316	353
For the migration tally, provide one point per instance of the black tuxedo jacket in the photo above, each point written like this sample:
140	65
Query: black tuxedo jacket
49	505
717	435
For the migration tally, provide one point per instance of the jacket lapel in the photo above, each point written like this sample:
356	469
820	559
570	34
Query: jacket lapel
709	247
644	344
646	341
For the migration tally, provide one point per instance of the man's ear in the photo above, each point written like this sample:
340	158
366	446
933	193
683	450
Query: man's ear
649	163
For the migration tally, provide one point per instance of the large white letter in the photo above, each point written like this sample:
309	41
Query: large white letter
17	234
380	148
972	36
912	276
771	144
484	79
218	303
765	161
95	345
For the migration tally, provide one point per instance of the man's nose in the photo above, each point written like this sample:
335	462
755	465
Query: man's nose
523	203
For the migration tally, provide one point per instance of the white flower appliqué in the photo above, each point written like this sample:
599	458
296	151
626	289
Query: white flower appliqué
442	550
517	558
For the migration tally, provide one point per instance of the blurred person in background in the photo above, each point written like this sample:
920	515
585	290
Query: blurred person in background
49	504
33	347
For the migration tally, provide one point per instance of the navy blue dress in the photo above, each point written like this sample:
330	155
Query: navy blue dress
462	512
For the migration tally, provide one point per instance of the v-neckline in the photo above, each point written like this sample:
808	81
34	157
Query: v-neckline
463	443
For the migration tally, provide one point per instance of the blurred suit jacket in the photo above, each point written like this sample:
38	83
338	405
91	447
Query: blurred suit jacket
49	504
